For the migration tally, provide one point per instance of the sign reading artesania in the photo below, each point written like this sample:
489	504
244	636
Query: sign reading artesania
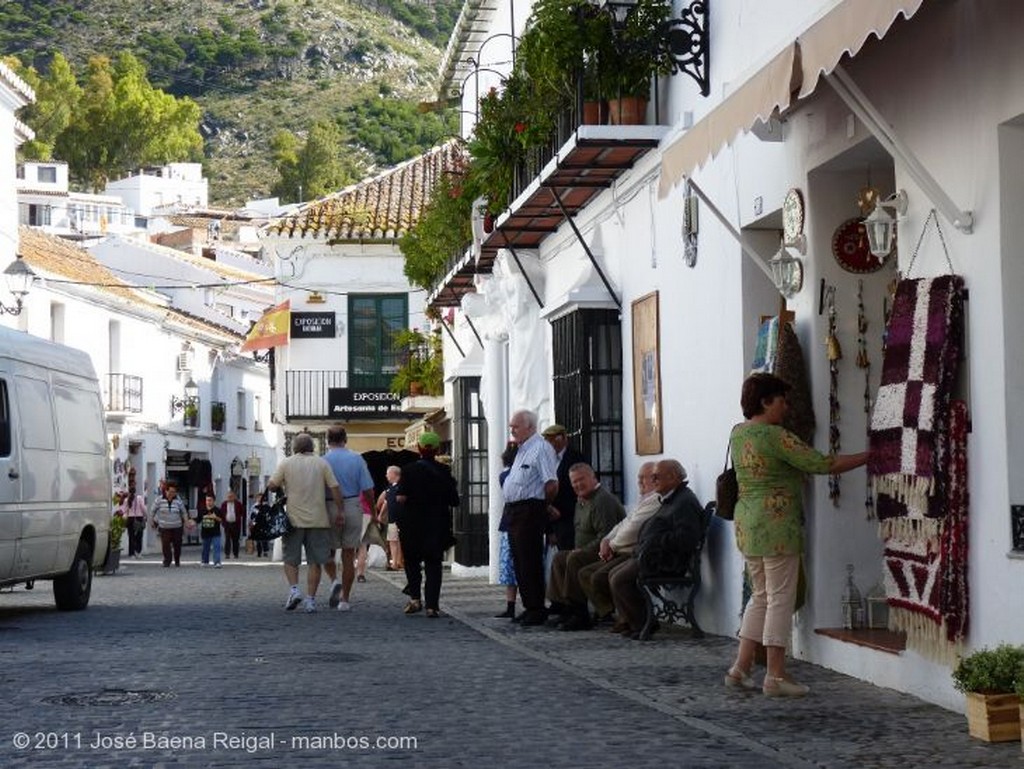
346	402
312	325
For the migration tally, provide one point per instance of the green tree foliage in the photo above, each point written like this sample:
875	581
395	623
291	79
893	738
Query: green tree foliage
56	97
442	232
313	169
121	122
395	130
433	20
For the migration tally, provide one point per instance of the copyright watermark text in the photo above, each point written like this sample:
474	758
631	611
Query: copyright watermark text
245	742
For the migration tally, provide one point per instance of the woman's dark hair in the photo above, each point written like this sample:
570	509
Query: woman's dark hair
758	388
508	456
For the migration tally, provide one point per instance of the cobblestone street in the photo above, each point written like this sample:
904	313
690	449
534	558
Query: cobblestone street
198	667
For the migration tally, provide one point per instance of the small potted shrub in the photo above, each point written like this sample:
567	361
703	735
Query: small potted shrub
1019	687
117	525
989	680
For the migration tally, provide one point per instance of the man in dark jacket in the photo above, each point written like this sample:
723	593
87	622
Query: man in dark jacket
427	492
561	529
666	541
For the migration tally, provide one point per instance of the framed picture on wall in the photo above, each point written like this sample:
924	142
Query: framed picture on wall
647	375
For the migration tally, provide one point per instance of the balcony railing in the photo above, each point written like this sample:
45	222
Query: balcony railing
306	392
123	393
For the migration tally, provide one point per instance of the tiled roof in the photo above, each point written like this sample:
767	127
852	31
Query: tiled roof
56	256
59	257
383	207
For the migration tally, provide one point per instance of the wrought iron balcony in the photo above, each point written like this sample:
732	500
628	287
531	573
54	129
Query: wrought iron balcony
308	393
123	394
218	416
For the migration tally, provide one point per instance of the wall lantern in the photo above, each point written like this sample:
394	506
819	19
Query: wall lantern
19	277
787	272
881	225
190	403
237	468
686	39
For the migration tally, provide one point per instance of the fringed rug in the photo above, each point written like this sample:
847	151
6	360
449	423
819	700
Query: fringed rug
910	420
926	578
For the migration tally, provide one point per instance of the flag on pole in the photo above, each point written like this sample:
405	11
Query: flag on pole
271	330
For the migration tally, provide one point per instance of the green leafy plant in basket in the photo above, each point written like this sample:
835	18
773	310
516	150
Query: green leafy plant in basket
990	671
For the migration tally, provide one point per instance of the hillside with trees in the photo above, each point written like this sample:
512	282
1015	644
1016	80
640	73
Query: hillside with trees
285	95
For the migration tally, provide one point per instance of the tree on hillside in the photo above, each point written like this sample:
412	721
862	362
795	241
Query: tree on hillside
121	122
314	169
56	97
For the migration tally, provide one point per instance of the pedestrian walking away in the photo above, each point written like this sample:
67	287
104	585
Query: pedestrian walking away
133	508
356	487
427	492
306	478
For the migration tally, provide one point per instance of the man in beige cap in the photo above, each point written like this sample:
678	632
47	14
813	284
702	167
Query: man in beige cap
561	529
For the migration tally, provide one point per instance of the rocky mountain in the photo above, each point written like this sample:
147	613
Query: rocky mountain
258	66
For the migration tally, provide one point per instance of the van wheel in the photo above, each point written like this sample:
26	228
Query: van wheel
71	591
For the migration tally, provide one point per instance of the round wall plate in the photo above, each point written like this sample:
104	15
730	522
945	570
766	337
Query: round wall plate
792	215
850	247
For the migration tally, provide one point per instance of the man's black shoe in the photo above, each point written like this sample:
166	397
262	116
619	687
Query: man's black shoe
532	617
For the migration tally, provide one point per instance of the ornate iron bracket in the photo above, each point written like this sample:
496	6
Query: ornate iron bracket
687	40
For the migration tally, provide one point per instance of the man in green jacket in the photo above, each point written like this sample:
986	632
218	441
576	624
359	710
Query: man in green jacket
597	512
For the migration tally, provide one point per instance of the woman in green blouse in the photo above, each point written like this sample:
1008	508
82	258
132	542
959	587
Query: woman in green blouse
770	466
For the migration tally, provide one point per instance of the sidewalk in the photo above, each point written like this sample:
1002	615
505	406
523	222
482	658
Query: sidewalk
843	722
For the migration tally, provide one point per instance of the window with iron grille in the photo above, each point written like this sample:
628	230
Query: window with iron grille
587	365
373	320
469	462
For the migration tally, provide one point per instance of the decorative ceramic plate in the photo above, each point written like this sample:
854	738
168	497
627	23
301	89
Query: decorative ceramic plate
792	215
850	247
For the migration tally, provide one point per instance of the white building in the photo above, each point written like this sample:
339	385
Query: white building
825	97
179	184
45	201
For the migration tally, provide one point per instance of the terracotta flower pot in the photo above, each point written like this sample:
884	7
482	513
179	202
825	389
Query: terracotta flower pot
629	110
593	113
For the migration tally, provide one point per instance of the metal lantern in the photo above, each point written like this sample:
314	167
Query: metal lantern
787	272
880	225
878	608
851	604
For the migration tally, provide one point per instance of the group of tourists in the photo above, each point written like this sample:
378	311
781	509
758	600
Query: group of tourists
326	499
593	577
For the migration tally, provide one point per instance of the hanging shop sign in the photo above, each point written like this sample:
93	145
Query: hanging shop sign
312	325
352	403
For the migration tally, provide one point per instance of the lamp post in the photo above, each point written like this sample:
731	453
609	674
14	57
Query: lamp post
19	277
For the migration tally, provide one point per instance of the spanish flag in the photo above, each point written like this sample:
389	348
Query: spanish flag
271	330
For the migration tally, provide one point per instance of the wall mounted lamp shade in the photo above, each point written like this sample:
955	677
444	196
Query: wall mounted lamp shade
880	225
619	9
19	277
787	272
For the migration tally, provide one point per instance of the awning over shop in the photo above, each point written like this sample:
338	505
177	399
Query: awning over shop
793	73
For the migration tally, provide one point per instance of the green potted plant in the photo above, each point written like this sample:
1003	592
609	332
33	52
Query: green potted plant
191	415
1019	689
422	373
217	416
117	526
635	56
989	680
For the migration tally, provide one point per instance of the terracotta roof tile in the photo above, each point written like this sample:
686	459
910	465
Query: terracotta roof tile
383	207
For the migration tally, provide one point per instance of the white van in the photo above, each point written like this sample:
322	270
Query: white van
55	487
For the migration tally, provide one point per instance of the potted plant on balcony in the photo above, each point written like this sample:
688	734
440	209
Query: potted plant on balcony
636	55
217	416
191	414
422	373
988	678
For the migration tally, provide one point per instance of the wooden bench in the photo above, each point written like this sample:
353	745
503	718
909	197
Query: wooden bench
670	597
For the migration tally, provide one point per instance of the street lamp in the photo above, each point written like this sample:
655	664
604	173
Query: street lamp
19	277
189	404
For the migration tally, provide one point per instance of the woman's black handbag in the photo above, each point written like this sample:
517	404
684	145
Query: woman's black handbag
271	521
727	489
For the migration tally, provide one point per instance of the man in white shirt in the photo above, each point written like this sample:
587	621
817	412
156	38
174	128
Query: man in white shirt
529	490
